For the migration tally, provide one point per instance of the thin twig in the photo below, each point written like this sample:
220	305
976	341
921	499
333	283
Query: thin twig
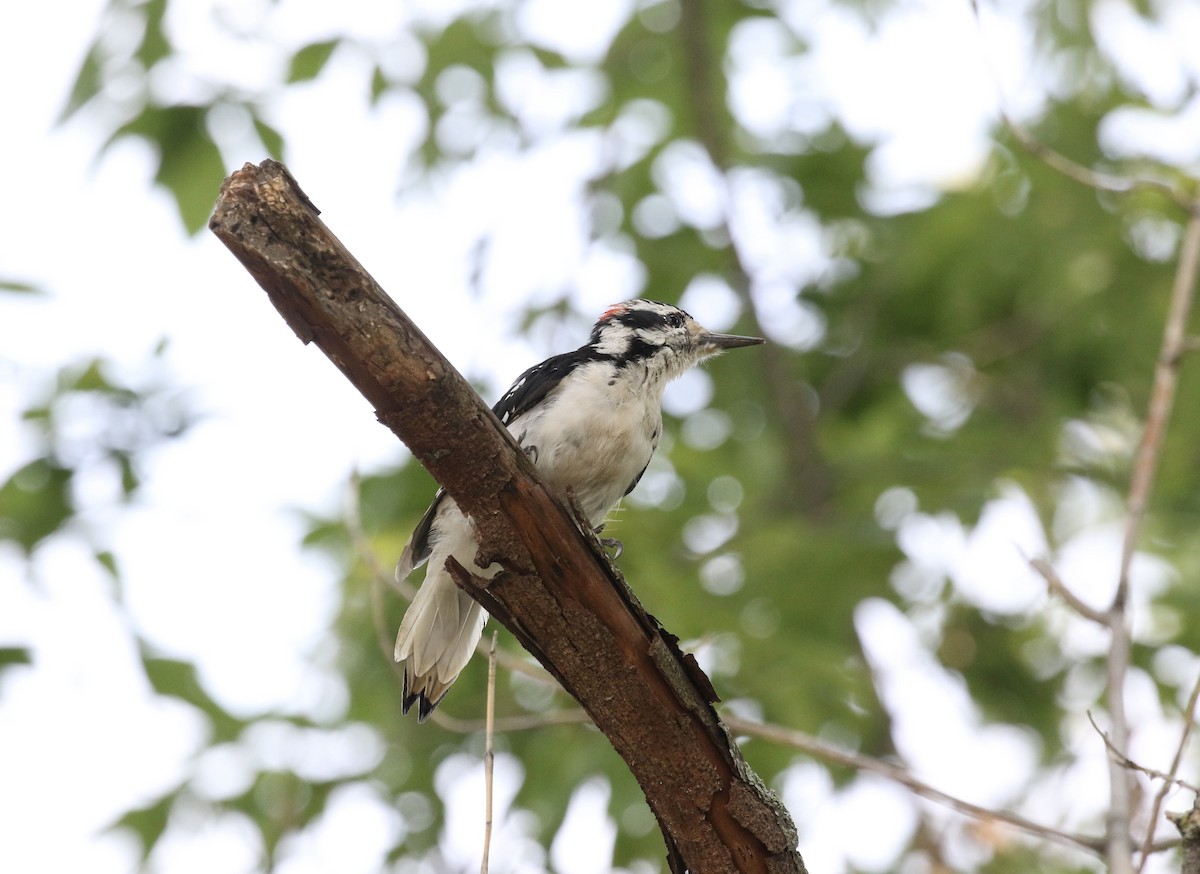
1060	163
1129	763
1175	344
1162	399
1054	582
489	756
1189	717
825	752
508	724
1162	395
1094	179
811	745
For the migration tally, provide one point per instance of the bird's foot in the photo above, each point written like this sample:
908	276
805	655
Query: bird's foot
615	545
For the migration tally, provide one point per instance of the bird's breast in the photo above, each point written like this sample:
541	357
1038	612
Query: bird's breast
593	440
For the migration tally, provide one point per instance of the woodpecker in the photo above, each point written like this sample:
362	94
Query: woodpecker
590	420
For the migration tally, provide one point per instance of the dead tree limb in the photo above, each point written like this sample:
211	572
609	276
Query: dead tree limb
559	594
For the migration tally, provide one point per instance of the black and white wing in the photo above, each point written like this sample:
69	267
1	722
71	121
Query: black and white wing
531	388
534	384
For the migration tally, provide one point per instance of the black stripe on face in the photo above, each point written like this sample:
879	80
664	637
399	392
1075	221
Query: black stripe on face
633	319
640	319
638	350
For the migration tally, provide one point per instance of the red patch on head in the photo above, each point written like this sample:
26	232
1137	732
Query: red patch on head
614	310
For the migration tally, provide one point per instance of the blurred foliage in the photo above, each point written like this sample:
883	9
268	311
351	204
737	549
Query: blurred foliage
85	423
1026	297
13	286
13	655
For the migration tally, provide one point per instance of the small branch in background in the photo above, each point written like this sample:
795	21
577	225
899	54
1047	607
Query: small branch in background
489	756
1162	400
1060	163
1162	395
1129	763
1085	176
1189	719
808	744
509	724
1054	582
825	752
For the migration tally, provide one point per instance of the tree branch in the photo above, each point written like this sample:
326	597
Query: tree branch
1097	180
559	594
866	764
1130	764
1054	582
1162	394
1189	719
489	755
1188	824
1162	400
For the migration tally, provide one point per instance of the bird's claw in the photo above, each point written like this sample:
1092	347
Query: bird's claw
615	545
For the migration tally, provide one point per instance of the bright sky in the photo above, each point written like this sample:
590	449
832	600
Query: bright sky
210	556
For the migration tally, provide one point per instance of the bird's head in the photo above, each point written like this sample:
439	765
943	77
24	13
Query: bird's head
662	337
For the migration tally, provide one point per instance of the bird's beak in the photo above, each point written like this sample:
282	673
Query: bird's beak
729	341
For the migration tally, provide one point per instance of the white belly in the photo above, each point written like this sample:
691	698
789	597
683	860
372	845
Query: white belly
592	440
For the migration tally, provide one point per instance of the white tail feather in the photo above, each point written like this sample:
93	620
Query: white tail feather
438	636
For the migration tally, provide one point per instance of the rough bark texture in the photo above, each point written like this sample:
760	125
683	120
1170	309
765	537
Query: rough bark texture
1188	824
560	595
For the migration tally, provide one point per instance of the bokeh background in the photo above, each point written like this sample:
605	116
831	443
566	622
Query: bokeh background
195	509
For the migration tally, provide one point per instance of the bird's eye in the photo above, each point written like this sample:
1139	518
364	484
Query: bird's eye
675	320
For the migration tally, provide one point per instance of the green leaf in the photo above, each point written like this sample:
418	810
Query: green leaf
379	84
88	83
308	62
271	138
155	45
34	503
129	475
189	164
191	168
108	561
89	378
14	655
149	822
178	680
